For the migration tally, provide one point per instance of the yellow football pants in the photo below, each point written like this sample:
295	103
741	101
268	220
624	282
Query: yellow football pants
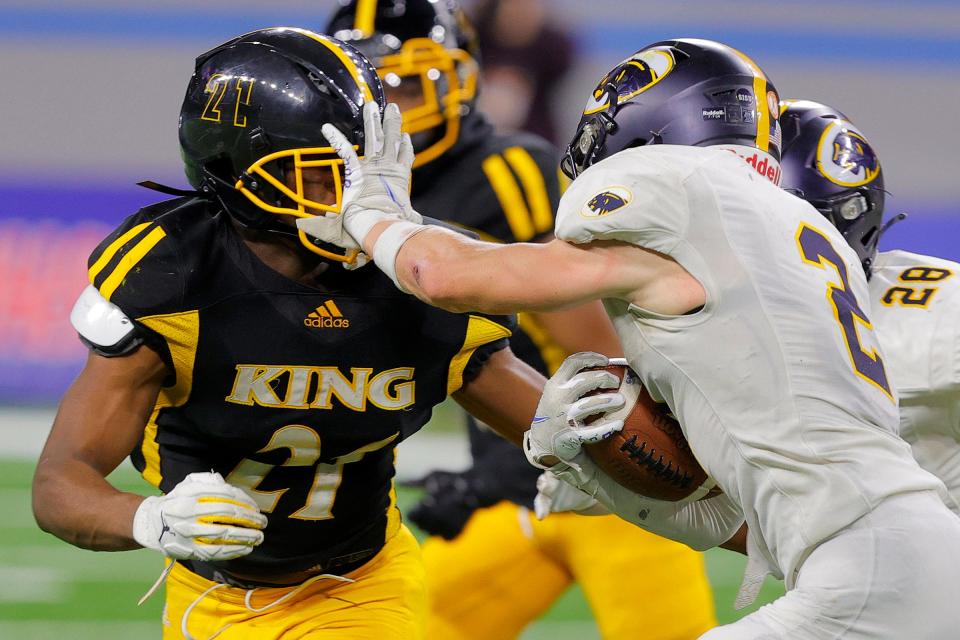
386	601
507	568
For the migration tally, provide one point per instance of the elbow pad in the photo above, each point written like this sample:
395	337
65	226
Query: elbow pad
102	326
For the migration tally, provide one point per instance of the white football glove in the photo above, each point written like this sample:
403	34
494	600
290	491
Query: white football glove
700	524
556	496
376	188
202	518
557	431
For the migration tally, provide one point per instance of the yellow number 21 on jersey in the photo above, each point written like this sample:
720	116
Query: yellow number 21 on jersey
303	443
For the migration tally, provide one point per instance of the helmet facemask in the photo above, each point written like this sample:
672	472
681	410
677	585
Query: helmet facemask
267	184
432	84
591	135
858	216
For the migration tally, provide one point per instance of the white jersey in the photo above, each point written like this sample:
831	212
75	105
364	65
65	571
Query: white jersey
777	380
916	312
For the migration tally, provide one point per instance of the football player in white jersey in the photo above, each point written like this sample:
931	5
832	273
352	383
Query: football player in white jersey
914	299
738	305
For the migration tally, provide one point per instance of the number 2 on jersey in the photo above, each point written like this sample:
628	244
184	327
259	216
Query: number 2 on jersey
816	250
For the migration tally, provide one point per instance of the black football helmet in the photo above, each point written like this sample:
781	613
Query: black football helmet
427	47
829	163
250	123
685	92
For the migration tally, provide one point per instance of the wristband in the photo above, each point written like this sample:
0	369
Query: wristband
388	246
361	222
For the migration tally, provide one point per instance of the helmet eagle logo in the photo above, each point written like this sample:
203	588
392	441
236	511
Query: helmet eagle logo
631	77
855	155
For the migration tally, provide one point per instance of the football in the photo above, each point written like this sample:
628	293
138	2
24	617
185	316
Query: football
650	455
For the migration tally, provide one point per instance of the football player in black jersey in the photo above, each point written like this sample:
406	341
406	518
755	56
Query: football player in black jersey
254	380
492	568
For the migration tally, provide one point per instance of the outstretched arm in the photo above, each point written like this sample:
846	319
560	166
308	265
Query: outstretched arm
447	270
457	273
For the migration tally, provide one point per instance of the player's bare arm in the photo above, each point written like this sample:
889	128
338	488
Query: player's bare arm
585	327
100	420
504	395
459	273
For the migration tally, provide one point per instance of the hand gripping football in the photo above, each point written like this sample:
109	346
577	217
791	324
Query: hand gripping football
650	455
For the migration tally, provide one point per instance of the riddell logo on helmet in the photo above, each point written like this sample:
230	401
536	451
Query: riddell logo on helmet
764	163
326	316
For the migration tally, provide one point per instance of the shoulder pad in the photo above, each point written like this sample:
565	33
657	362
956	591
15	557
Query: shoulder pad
636	196
102	325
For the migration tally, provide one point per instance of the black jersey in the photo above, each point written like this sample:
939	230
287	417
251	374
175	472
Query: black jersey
295	394
506	188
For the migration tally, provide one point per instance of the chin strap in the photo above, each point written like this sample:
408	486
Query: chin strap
170	191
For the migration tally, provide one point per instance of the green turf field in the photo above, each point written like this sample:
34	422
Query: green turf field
50	590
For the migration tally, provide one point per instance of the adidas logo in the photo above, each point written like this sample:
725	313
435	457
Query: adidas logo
326	316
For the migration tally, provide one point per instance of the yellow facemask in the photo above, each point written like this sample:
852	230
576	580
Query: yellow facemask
431	65
304	207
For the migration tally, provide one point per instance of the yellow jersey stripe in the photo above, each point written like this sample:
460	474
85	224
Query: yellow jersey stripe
112	249
332	306
480	331
393	511
150	449
182	333
130	260
364	18
510	197
322	311
350	65
533	185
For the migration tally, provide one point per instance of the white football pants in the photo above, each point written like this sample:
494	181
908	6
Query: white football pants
894	574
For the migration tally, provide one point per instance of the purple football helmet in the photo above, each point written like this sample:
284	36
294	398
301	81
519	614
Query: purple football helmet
685	92
829	163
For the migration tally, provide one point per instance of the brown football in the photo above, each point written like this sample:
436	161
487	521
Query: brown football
650	455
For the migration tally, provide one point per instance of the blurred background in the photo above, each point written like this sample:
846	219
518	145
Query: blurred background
90	91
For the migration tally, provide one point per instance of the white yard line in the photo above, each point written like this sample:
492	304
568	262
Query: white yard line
32	584
23	431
